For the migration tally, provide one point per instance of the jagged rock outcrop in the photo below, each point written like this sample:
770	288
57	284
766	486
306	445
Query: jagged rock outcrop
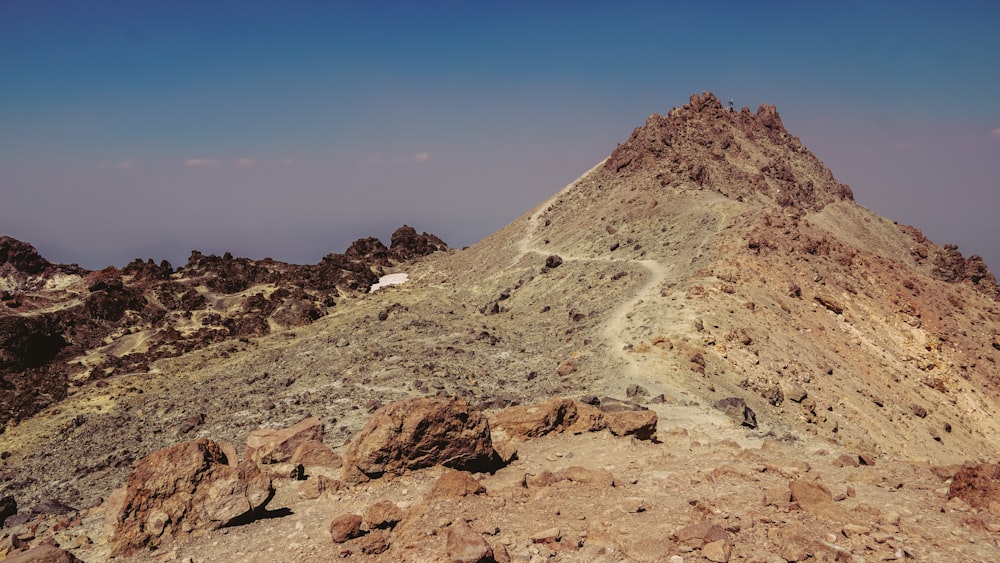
736	153
183	489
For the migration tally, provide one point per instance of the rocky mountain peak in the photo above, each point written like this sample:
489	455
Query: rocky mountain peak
740	154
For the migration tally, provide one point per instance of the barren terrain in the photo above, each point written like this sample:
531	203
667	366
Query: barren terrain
710	257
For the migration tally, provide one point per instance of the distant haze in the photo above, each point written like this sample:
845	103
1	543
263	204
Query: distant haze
289	130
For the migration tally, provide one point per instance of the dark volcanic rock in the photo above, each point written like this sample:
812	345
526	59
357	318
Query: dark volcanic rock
21	257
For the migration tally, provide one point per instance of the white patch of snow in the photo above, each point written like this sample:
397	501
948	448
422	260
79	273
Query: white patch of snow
390	279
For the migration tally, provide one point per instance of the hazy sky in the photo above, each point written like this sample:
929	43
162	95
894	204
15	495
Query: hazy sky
288	129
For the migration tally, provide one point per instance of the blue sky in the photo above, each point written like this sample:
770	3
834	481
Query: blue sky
288	129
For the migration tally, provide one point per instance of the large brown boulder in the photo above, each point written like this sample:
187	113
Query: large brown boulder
418	433
182	489
531	421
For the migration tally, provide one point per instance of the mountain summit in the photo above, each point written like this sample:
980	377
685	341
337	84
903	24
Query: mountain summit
738	154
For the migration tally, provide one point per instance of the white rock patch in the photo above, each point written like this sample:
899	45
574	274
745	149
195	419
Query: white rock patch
390	279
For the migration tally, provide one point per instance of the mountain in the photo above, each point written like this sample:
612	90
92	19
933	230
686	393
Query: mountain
711	269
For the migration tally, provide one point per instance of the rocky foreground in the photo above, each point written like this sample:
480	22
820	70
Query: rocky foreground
433	479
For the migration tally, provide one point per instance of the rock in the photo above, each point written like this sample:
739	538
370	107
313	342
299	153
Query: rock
345	527
588	419
418	433
383	515
633	391
543	479
794	549
597	477
52	507
465	546
977	485
43	554
314	487
610	404
737	409
698	535
8	507
182	489
266	445
455	484
553	261
550	536
314	453
845	460
566	367
718	550
641	424
793	392
531	421
815	498
374	543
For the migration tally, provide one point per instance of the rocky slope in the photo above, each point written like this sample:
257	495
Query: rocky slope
711	268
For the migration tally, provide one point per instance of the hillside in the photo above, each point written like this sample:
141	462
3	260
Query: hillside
710	262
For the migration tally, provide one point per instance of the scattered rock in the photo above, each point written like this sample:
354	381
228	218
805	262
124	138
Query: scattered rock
698	535
182	489
633	391
418	433
383	515
455	484
466	546
8	507
718	550
641	424
553	262
266	445
977	485
43	554
345	527
737	409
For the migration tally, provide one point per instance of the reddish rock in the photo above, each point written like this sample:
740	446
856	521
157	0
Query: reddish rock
466	546
978	485
588	419
815	498
345	527
43	554
278	446
455	484
697	535
313	453
531	421
185	488
641	424
589	476
382	515
418	433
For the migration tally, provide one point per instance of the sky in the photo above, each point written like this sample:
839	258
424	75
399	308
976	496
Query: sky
289	129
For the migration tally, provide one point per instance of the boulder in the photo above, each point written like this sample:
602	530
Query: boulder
531	421
313	453
466	546
182	489
455	484
641	424
383	515
588	419
345	527
418	433
278	446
